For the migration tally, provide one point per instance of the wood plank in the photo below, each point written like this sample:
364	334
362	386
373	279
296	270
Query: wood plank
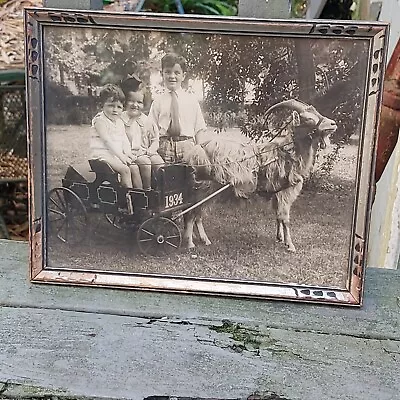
379	317
105	343
74	4
111	356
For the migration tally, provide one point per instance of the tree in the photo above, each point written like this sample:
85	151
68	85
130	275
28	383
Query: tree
305	69
95	57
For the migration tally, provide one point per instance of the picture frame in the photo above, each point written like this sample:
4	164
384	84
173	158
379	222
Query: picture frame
270	92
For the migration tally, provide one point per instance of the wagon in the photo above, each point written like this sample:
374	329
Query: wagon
149	213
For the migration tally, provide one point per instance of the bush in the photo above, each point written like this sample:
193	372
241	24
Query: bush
213	7
64	108
221	120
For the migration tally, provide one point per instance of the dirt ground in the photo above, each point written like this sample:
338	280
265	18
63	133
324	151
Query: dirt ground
242	233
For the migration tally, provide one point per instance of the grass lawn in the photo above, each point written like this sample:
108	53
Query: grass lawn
242	233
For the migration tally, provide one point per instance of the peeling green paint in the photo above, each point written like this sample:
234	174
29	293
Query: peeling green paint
246	338
11	390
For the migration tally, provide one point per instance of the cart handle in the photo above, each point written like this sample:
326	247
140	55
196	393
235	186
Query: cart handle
202	201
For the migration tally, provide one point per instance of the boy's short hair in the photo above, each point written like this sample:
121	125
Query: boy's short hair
111	92
170	59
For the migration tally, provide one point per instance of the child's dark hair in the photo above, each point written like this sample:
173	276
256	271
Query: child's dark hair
131	84
170	59
111	92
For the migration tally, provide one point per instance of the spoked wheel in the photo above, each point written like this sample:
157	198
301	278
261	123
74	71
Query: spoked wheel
121	222
67	216
115	220
158	237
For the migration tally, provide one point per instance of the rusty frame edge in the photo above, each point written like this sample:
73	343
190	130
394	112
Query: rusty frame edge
282	292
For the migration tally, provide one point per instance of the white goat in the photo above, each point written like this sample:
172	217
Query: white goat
275	169
286	162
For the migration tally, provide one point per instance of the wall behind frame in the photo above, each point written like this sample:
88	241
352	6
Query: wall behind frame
384	239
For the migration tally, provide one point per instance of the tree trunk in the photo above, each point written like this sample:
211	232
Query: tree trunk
306	70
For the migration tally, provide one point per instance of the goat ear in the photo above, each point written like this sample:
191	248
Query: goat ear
296	118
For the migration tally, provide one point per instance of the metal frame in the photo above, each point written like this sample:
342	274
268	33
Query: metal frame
37	20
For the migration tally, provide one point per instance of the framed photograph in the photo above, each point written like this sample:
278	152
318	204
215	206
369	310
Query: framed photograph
202	155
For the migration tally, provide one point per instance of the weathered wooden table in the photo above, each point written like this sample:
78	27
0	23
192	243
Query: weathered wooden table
74	341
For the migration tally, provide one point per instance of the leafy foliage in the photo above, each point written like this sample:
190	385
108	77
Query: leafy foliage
211	7
241	75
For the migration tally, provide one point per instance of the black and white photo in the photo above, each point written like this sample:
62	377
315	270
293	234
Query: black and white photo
207	155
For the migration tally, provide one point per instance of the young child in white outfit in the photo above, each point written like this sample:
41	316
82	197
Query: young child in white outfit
142	133
108	141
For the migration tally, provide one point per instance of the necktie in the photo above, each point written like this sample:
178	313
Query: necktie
174	127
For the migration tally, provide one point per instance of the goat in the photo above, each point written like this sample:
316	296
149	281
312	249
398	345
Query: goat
274	169
286	162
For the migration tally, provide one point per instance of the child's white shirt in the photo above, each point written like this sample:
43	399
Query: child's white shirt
142	134
191	118
116	132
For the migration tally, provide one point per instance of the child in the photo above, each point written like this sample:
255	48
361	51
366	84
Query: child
177	113
141	131
108	141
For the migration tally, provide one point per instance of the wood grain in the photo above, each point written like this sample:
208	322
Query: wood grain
104	343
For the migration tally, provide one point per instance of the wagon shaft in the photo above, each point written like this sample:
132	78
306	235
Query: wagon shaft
199	203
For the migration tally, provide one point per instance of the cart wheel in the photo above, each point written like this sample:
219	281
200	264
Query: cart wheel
158	236
121	222
67	216
117	221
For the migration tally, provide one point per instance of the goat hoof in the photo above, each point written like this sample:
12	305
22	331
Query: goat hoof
291	249
206	242
190	246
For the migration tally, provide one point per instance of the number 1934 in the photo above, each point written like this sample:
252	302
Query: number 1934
173	200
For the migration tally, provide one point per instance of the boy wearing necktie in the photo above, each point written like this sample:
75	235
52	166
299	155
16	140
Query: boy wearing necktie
177	113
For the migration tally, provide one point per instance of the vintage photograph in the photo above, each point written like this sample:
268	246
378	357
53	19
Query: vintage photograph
211	156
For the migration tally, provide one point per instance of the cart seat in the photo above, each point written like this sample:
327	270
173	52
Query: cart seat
80	173
103	171
101	167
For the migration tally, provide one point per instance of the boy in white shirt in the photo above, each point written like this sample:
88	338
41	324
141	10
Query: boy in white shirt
177	113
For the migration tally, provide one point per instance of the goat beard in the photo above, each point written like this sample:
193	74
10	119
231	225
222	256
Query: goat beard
323	142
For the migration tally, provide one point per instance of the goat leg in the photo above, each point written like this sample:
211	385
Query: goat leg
279	231
202	233
277	206
189	219
282	203
288	239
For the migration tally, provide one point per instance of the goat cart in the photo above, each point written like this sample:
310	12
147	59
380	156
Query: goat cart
149	213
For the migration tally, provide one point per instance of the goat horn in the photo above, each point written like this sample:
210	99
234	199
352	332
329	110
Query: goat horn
293	104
